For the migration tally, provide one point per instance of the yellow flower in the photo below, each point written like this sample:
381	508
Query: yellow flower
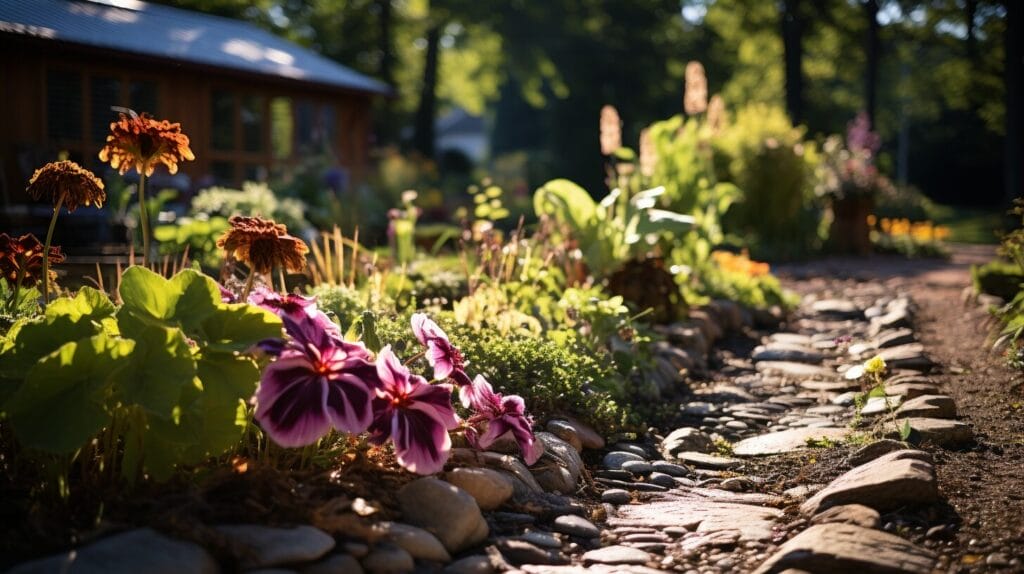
875	365
141	142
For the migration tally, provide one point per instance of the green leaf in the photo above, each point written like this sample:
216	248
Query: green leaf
905	431
198	297
236	327
877	391
369	325
566	202
88	303
145	292
62	403
162	363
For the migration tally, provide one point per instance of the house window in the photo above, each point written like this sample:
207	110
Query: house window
238	137
282	127
64	105
314	126
222	110
103	94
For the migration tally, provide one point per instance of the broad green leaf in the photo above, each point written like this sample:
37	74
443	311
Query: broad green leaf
566	202
62	402
236	327
163	365
88	303
147	293
197	297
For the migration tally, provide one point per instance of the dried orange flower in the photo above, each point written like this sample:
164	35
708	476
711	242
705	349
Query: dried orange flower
262	244
23	257
716	114
141	142
695	98
648	153
611	130
68	180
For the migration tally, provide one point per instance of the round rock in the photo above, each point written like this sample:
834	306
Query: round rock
489	488
445	510
575	526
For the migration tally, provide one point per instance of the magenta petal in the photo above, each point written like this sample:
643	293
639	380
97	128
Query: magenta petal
421	442
439	356
436	401
291	403
521	431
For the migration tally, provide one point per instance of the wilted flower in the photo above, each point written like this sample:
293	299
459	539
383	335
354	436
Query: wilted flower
716	114
875	365
66	183
318	382
611	130
262	244
648	153
23	257
414	414
141	142
295	306
695	97
499	415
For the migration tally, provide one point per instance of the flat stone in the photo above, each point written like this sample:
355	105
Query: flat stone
140	550
616	496
445	510
476	564
555	478
826	410
508	465
588	436
662	480
894	338
388	559
489	488
911	390
790	338
740	516
942	432
614	459
835	386
634	486
617	555
575	526
335	564
637	466
890	481
670	468
841	308
856	514
567	432
686	439
417	542
845	548
846	399
891	320
929	406
519	552
270	546
794	370
703	460
541	538
870	452
910	356
786	352
786	441
858	349
880	405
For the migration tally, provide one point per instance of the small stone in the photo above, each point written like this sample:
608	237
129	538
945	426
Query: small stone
637	466
893	480
616	496
662	480
874	450
737	425
541	538
787	440
856	514
997	559
475	564
786	352
388	559
686	439
849	548
614	459
275	546
669	468
846	399
880	405
335	564
566	432
588	436
489	488
519	552
934	406
561	452
633	448
702	460
839	308
140	550
698	409
445	510
617	555
417	542
910	356
894	338
942	432
575	526
910	390
794	370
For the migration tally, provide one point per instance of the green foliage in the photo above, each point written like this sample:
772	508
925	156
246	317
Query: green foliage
167	370
345	305
1000	278
254	198
197	234
15	306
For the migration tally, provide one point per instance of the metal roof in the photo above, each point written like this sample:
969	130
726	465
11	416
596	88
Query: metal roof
139	27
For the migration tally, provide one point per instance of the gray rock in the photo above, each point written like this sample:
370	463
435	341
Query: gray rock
637	466
335	564
941	432
839	308
933	406
489	488
269	546
793	370
561	452
786	352
911	390
567	432
662	480
445	510
637	449
475	564
849	548
698	409
874	450
787	441
880	405
541	538
890	481
616	496
575	526
388	559
894	338
670	468
555	478
686	439
790	338
617	555
909	356
140	550
856	514
510	466
519	552
702	460
417	542
614	459
846	399
588	436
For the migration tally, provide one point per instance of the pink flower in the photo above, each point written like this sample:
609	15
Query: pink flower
441	354
498	415
294	306
414	414
318	382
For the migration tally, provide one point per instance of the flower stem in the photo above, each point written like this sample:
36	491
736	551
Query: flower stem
248	285
17	284
46	248
144	216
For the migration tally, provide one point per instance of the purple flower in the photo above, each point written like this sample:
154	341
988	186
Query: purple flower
499	415
318	382
226	295
294	306
441	354
414	414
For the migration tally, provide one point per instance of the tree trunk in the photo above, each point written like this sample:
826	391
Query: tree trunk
871	73
385	70
423	139
792	42
1013	73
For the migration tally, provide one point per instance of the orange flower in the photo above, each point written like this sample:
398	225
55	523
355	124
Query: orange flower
611	130
77	185
23	257
262	244
140	142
